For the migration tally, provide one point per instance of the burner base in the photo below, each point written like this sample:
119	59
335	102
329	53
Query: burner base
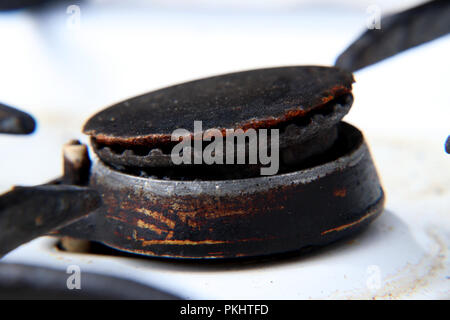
236	218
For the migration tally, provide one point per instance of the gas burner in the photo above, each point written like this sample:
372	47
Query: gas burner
224	211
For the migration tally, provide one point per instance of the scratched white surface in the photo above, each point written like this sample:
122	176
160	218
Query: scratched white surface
402	105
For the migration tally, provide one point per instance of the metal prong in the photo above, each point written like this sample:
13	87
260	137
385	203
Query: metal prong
447	145
397	33
13	121
33	282
14	4
29	212
77	163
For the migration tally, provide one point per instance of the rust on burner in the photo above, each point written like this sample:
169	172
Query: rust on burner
254	99
238	218
303	103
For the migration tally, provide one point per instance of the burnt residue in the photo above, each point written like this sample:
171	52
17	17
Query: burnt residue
305	137
256	99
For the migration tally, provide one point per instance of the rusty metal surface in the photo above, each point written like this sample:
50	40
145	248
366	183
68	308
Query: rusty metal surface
251	99
310	136
398	33
303	103
236	218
